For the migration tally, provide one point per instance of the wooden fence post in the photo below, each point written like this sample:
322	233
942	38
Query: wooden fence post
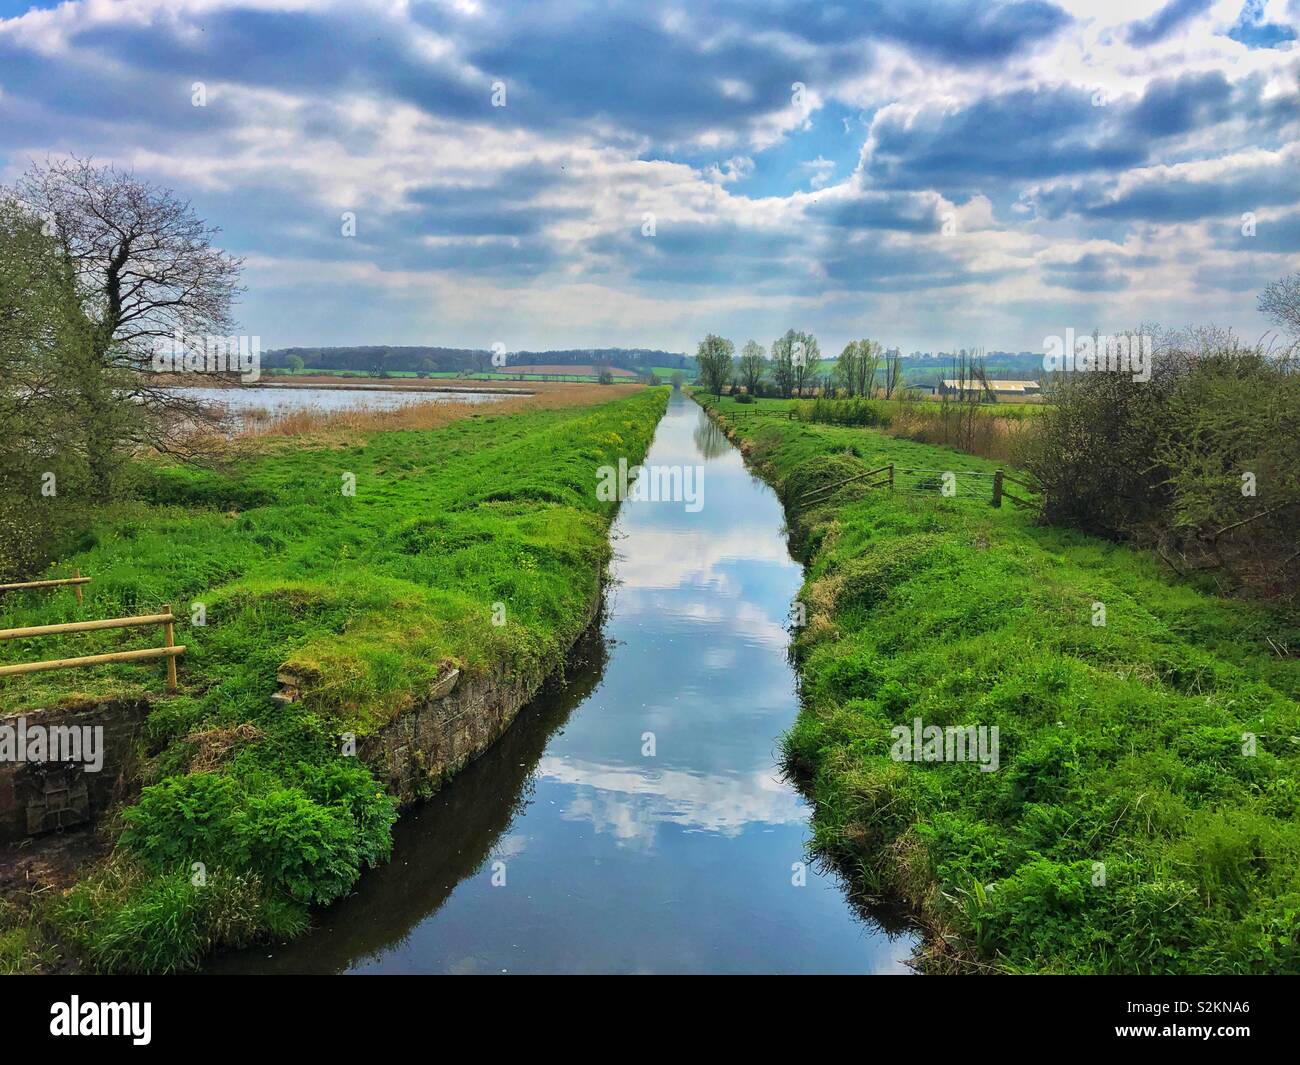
997	489
169	640
76	587
891	476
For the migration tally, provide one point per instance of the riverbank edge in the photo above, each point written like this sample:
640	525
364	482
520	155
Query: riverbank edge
418	748
421	750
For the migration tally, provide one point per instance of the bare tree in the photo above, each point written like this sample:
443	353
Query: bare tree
1281	302
893	372
139	268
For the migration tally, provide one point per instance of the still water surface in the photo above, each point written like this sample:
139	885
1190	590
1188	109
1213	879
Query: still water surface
287	400
615	861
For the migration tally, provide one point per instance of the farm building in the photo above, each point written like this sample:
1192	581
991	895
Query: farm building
1000	389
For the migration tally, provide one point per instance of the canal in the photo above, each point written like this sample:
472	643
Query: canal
634	819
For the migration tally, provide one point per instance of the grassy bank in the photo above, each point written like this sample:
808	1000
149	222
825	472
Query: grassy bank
367	596
1126	829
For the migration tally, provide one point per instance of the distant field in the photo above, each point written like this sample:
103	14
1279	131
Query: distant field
566	370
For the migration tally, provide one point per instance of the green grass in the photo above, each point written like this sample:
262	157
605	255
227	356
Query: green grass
368	597
1121	746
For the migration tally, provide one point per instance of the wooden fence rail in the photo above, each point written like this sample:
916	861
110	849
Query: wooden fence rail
889	480
1000	493
169	650
76	581
1000	477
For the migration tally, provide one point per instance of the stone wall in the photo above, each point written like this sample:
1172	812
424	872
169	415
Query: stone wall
39	797
420	750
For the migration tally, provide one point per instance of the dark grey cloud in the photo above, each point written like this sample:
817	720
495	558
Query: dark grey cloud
870	266
703	253
1020	135
1276	235
903	212
1170	18
963	32
1163	199
1029	135
1200	100
1091	272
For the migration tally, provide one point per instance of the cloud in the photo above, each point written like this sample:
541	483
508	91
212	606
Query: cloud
937	170
1023	134
1184	192
1090	272
1173	16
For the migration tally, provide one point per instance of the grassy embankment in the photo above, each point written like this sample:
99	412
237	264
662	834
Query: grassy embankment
368	596
1120	744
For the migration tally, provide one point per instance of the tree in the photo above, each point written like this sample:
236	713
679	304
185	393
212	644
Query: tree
805	357
138	268
295	363
893	372
678	379
35	387
752	366
714	356
783	369
1281	302
844	366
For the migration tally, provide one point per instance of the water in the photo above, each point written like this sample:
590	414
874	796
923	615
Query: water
288	400
614	861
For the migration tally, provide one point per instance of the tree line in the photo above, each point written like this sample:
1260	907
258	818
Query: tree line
795	367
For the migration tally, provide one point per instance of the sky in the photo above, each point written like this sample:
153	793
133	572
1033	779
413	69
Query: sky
567	174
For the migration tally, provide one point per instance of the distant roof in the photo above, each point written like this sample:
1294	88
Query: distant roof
994	386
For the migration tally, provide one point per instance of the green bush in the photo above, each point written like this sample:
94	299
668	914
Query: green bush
1202	461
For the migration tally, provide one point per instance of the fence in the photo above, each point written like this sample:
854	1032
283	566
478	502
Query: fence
926	482
75	581
914	481
762	412
170	651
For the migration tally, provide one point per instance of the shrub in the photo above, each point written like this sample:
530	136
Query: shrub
1202	461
